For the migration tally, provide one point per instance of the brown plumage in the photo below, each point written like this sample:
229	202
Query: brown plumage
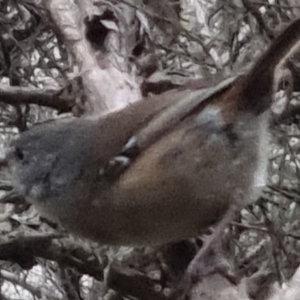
192	155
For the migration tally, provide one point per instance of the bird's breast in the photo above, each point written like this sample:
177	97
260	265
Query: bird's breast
177	187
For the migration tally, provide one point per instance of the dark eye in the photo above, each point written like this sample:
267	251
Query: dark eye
19	153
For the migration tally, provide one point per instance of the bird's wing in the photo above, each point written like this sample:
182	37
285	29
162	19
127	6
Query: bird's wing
169	117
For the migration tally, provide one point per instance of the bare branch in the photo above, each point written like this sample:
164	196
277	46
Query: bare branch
257	15
16	280
129	282
53	98
106	85
27	248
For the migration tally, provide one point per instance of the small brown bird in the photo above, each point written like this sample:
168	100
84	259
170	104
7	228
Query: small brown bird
187	157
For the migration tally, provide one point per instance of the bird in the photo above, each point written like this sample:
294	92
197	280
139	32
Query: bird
160	170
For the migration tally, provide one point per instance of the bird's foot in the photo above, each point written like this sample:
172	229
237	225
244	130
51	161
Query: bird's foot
209	260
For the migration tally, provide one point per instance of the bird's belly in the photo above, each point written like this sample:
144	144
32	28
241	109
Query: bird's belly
177	190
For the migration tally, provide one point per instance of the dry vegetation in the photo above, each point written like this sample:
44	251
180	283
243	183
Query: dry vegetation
59	58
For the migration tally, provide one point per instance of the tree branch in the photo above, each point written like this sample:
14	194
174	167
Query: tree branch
107	84
24	250
53	98
260	21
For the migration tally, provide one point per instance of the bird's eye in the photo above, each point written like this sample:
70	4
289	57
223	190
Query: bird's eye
19	153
